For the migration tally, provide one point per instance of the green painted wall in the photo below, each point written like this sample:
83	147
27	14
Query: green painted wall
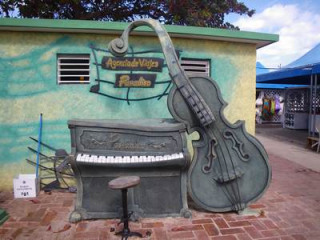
28	87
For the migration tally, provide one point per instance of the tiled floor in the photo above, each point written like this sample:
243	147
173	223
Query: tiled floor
290	209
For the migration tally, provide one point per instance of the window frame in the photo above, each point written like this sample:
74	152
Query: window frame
192	63
73	56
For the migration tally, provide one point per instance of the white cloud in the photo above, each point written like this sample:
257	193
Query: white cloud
298	29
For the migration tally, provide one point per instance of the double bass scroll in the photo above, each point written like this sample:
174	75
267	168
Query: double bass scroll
119	47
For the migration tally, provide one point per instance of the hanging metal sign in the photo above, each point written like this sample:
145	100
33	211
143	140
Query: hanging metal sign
135	80
132	63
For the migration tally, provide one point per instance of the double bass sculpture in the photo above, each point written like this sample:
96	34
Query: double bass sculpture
230	167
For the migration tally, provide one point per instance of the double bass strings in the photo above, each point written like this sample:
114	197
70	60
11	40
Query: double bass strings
234	197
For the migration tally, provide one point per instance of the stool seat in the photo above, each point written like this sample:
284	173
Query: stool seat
124	182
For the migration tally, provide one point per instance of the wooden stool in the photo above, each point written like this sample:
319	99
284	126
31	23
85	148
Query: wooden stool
124	183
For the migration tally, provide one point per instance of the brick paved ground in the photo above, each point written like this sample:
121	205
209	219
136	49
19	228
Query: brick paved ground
290	210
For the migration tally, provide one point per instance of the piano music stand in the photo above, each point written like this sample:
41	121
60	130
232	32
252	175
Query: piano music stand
124	183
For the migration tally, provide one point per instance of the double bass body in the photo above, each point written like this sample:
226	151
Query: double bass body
230	167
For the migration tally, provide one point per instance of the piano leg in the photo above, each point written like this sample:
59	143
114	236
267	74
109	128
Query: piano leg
75	217
184	212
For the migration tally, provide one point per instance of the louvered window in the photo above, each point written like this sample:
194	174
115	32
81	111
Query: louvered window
73	68
198	66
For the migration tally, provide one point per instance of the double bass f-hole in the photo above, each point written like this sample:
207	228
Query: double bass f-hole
237	145
211	156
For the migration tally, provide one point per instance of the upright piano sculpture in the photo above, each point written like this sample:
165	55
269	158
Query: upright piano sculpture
153	149
230	167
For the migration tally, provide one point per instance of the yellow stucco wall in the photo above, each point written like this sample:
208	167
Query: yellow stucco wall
28	87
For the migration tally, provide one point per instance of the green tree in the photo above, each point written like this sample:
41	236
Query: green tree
207	13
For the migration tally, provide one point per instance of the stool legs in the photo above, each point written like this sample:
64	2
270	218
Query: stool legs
125	233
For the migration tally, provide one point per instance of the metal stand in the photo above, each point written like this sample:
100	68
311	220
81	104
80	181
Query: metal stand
125	233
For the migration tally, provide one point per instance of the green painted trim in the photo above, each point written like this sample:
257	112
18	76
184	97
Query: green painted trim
55	25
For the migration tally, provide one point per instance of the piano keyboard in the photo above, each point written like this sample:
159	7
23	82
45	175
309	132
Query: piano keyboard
127	159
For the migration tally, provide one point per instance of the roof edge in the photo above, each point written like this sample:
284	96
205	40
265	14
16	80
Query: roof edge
100	27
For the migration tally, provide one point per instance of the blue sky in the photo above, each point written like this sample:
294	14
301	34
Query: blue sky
296	22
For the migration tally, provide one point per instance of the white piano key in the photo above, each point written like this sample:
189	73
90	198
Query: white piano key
135	159
109	159
181	155
118	159
165	157
126	159
79	158
149	159
143	158
161	158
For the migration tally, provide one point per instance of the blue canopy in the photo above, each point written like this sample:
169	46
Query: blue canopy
310	58
260	69
297	72
277	86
